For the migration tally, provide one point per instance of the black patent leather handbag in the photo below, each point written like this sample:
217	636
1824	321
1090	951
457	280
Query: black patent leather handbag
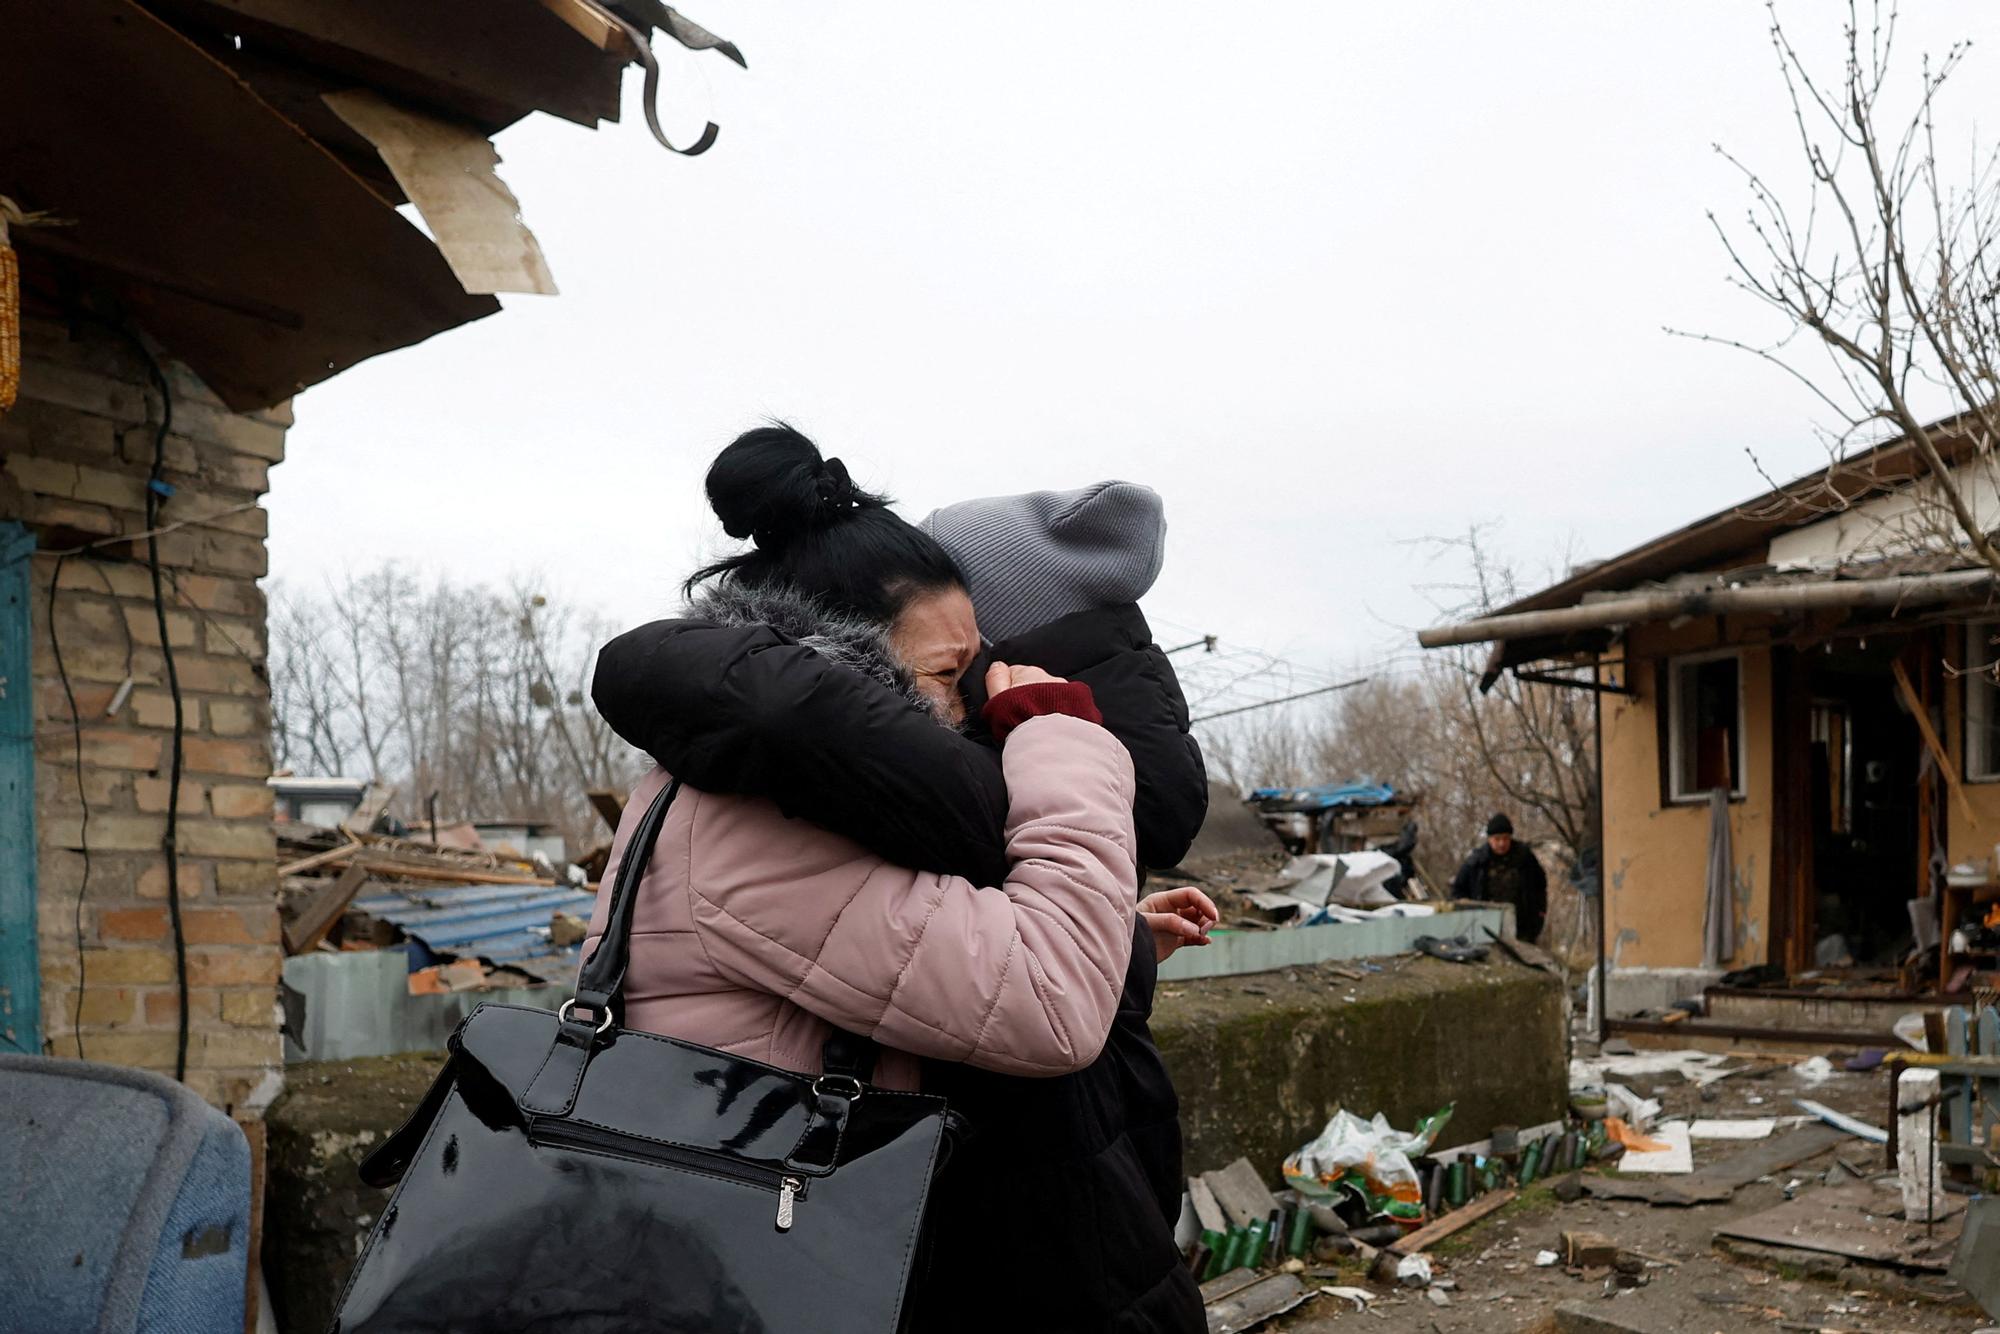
568	1174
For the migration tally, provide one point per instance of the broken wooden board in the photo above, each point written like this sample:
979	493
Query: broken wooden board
446	168
1719	1182
1435	1231
609	805
1241	1193
1848	1221
322	908
1249	1305
374	804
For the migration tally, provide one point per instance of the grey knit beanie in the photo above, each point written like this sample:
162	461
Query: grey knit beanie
1031	559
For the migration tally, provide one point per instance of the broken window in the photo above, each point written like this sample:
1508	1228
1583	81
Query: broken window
1705	726
1982	701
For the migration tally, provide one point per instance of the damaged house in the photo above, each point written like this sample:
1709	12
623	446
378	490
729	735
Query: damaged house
1800	733
199	208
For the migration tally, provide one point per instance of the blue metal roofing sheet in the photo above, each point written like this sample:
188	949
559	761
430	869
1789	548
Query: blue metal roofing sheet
504	923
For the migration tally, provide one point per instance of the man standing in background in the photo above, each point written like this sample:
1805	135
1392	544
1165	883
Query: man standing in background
1506	870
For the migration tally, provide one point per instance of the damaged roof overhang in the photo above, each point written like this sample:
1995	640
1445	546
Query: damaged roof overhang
263	251
1633	587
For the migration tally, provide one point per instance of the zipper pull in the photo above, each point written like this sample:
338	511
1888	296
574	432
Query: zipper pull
788	1190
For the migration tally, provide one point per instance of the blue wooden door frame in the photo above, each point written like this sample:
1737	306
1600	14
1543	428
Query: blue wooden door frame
20	972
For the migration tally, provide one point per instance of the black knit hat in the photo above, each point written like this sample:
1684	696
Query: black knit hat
1499	824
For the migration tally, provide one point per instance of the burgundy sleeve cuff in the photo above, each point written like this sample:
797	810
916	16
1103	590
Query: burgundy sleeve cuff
1010	708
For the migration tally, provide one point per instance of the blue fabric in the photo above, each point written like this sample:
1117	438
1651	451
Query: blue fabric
110	1180
197	1277
1327	796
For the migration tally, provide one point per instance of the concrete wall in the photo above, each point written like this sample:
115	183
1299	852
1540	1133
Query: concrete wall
77	448
1262	1062
1656	855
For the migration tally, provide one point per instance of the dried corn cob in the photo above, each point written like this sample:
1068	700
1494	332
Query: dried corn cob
10	309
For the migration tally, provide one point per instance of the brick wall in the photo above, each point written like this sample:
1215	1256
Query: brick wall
74	456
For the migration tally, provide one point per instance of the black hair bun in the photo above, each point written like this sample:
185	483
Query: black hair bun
771	485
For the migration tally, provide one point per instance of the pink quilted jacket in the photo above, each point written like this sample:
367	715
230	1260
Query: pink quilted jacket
754	933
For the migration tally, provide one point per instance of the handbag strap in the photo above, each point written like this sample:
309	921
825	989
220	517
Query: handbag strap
603	974
602	979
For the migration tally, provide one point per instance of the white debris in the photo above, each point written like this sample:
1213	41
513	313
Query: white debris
1755	1127
1676	1159
1547	1259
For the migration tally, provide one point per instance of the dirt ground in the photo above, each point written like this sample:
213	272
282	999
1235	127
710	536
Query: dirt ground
1495	1285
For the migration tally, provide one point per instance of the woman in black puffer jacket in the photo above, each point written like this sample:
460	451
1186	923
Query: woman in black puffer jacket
1068	1187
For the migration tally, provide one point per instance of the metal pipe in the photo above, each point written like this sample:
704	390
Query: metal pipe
1911	590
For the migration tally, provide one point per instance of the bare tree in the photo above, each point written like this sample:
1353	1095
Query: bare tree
476	696
1883	268
1466	746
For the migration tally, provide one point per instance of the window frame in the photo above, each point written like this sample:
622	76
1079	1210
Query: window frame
1976	684
1672	749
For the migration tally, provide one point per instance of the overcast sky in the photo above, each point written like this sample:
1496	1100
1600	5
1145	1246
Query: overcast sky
1332	276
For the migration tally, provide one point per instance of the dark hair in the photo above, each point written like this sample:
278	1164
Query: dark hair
814	530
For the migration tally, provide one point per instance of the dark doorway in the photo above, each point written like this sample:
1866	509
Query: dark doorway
1865	755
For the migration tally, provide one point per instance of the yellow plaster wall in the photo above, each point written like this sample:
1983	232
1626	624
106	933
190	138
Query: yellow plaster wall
1656	858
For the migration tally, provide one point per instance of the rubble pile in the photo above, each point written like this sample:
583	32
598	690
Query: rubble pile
470	918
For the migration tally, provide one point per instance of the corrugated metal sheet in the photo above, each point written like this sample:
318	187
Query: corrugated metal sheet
501	923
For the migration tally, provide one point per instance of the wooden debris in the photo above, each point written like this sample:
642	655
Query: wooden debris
609	805
1384	1268
308	926
373	806
318	859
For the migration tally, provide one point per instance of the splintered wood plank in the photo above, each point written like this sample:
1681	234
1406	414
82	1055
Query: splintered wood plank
1384	1269
319	912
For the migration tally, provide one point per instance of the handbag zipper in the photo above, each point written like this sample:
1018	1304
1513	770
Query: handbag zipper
566	1135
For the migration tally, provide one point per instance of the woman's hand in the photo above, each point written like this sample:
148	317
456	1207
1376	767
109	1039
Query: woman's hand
1000	678
1177	917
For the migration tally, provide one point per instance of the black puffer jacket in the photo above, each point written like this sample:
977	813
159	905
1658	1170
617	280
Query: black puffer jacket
1058	1212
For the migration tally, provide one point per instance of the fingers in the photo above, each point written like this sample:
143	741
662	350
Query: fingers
1006	676
1186	901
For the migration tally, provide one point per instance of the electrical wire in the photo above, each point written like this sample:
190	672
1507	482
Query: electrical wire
83	829
158	491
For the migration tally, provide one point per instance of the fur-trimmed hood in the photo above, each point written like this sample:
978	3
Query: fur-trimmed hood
848	641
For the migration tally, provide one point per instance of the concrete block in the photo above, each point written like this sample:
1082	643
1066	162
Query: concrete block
317	1210
1262	1062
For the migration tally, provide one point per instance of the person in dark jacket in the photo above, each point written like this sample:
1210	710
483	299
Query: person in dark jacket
1073	1184
1504	869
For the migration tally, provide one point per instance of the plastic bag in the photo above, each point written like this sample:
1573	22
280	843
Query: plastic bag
1369	1159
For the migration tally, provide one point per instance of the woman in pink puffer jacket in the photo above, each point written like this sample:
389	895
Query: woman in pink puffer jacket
759	935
